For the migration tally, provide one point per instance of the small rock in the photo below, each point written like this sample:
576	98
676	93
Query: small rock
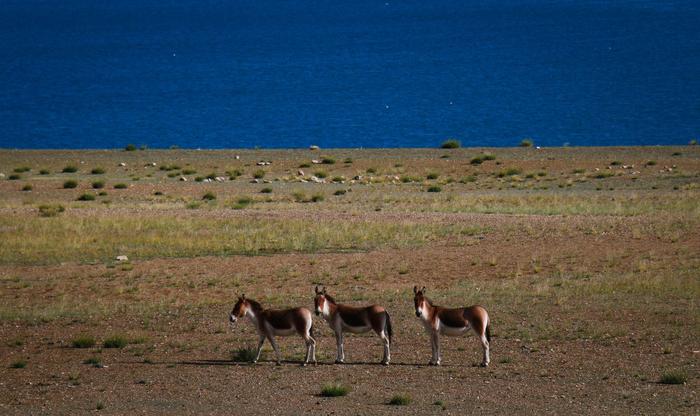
220	179
122	258
237	157
122	164
255	181
267	181
183	179
299	173
313	147
358	178
316	161
317	180
2	176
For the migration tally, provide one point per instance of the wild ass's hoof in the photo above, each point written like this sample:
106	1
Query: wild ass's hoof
484	364
339	362
278	363
385	362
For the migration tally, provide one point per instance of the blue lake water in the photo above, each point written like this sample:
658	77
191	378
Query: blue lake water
360	73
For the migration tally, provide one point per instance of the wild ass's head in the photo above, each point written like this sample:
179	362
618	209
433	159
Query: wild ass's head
321	301
239	309
419	300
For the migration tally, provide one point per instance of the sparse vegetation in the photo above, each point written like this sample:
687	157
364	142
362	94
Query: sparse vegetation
266	190
50	210
44	172
27	188
14	177
328	161
70	184
70	169
450	144
115	341
674	377
86	197
432	175
22	169
83	341
121	186
130	147
209	196
259	174
97	171
334	390
98	184
434	189
243	355
526	143
19	364
400	400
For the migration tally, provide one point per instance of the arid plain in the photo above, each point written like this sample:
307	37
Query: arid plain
588	260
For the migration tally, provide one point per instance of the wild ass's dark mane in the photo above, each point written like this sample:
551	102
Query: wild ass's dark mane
255	304
330	298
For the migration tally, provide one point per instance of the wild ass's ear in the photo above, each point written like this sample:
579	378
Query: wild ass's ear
316	289
423	290
324	290
415	289
243	296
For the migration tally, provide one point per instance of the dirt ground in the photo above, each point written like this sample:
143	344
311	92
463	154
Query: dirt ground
589	310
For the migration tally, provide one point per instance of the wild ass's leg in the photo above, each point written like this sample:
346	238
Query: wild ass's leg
261	341
435	343
340	357
485	345
310	348
276	348
387	353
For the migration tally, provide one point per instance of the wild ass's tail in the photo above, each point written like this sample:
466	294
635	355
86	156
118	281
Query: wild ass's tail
488	332
387	325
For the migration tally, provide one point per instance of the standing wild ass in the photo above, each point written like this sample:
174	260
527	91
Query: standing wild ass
353	319
453	322
271	322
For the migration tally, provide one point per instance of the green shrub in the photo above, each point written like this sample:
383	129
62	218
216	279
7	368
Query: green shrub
334	390
432	175
188	171
102	193
347	160
116	341
526	143
509	172
242	202
199	179
22	169
434	189
259	174
400	400
615	163
488	156
98	184
244	355
83	341
304	165
211	176
70	169
120	186
651	163
93	361
320	174
328	161
19	364
70	184
339	192
130	147
371	170
674	377
27	188
338	179
266	190
450	144
97	171
477	160
317	197
14	177
50	210
209	196
44	172
86	197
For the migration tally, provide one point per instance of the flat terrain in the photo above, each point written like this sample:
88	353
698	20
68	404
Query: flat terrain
586	258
